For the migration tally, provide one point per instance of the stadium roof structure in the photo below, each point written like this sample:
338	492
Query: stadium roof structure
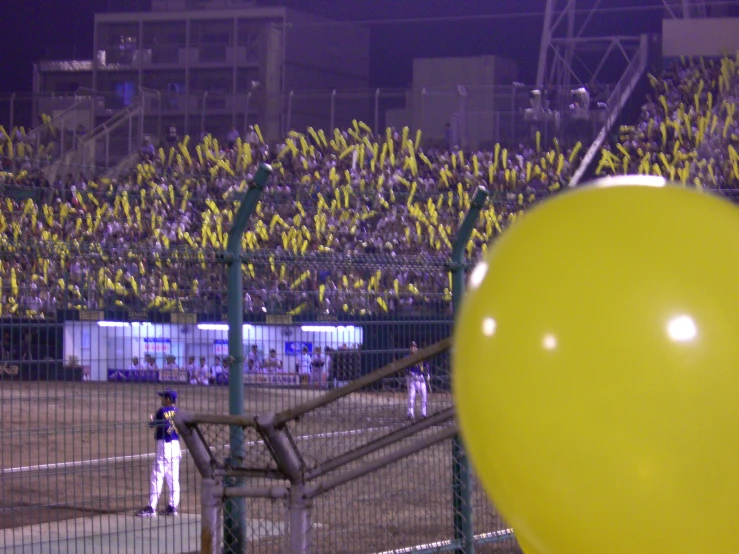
573	53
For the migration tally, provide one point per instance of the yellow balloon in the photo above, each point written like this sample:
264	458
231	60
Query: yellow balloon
526	547
596	371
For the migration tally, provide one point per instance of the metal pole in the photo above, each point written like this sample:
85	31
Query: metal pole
159	115
202	111
246	114
142	132
423	105
546	40
62	132
299	521
377	112
234	529
289	111
461	472
333	110
462	91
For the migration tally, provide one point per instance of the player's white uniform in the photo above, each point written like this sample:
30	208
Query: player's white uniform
305	364
252	363
416	384
166	465
191	369
201	375
272	365
216	370
318	365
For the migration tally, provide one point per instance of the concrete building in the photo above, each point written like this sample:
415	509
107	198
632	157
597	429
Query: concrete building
206	64
469	93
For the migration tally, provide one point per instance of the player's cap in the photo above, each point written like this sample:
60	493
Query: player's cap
169	393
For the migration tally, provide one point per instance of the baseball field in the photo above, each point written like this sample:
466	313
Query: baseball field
75	462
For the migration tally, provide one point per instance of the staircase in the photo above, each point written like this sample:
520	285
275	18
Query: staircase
103	147
61	130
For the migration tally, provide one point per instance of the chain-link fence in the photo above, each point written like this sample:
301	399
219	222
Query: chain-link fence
471	116
84	352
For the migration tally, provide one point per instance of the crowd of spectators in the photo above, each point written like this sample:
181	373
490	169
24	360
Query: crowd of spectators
353	221
686	131
148	241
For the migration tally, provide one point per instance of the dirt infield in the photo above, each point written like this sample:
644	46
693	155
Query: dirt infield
71	450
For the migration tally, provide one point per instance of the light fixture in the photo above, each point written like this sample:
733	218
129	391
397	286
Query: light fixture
113	323
218	326
326	329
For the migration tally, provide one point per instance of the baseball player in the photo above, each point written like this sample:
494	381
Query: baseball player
135	365
416	383
304	365
252	361
167	462
151	364
318	362
202	374
190	367
272	364
216	371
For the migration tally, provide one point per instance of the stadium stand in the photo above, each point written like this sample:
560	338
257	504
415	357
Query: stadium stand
686	132
329	194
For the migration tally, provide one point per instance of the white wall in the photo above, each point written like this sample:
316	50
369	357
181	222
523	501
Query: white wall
104	348
712	37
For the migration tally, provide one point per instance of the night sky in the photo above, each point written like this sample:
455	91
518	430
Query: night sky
512	28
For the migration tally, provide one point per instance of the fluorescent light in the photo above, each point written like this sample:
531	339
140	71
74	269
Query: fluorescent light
140	323
218	326
113	323
326	329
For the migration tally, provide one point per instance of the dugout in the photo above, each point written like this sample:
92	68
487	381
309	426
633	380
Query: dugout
31	350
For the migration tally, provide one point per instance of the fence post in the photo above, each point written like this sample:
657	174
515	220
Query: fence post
462	91
333	111
461	474
289	112
210	503
234	529
202	110
377	112
246	114
12	109
300	520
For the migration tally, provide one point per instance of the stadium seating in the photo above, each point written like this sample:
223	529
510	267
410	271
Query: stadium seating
687	131
93	243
